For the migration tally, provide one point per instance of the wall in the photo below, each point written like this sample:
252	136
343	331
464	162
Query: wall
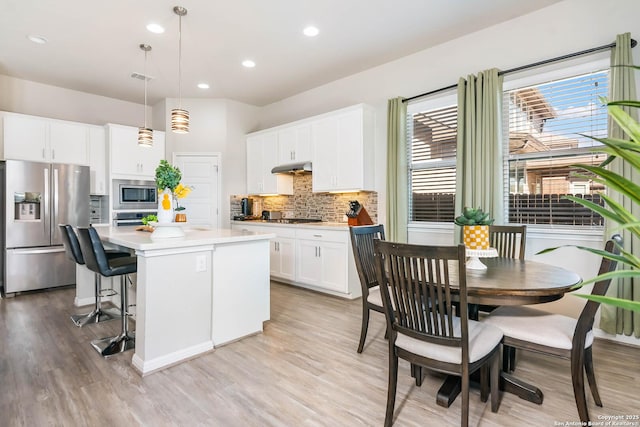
37	99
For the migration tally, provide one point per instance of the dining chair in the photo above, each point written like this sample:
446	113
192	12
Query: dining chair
561	336
509	240
362	245
423	325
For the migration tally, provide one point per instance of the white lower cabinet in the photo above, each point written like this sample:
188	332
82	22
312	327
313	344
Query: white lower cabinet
322	259
315	258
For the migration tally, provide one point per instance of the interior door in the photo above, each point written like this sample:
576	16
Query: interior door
201	172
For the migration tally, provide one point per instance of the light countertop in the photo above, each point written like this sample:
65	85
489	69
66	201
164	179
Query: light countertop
194	236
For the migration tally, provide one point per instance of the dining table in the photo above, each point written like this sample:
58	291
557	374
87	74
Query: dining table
508	281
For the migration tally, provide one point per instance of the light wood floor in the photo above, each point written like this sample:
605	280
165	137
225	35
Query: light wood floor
303	371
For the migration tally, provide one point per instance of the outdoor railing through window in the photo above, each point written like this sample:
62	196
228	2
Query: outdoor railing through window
523	209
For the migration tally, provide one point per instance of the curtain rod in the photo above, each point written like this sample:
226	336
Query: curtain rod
532	65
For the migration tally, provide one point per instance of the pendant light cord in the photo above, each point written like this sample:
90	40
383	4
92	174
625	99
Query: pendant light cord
146	78
180	62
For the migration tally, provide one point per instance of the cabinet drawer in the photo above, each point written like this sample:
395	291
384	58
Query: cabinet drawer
289	232
323	235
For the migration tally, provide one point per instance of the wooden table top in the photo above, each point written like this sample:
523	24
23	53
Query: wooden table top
514	282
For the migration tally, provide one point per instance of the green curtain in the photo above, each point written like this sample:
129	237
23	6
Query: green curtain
479	156
397	200
614	320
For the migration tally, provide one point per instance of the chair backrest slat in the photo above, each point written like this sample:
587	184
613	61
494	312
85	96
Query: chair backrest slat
420	297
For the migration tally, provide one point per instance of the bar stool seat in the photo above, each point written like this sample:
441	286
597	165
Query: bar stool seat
97	261
72	249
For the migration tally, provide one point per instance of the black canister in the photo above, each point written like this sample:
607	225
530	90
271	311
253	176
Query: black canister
246	206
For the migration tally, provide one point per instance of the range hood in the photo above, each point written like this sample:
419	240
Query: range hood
295	168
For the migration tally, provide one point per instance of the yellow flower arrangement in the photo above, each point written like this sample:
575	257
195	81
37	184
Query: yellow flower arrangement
180	192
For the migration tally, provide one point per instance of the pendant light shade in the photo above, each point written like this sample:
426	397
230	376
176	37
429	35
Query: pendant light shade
180	117
145	135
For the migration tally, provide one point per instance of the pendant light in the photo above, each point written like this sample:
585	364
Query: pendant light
180	117
145	135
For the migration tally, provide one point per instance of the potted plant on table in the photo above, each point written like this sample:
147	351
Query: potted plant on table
169	191
475	227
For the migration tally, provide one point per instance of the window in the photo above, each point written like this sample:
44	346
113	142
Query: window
546	127
432	163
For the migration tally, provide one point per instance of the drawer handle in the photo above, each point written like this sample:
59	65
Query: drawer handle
317	235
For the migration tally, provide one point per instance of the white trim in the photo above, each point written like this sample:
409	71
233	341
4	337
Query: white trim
149	366
150	253
630	340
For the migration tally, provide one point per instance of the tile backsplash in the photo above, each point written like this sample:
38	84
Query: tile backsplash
328	207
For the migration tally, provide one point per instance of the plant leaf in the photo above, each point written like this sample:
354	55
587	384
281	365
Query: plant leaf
617	302
626	122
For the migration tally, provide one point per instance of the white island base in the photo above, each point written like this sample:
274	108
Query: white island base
196	292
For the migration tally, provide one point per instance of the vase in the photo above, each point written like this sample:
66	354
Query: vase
476	236
165	206
181	217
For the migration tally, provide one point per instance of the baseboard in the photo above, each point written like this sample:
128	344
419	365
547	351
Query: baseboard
622	339
150	366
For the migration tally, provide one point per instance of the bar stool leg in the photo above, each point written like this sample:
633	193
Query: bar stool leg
97	315
125	341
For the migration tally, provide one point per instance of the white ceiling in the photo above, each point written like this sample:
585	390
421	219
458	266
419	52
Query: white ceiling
93	45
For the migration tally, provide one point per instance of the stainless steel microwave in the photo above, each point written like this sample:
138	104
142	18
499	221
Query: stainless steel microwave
130	194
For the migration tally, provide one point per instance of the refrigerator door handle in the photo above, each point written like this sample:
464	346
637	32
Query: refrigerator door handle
36	251
54	211
46	199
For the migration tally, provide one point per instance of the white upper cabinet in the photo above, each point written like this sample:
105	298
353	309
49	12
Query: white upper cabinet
40	139
262	156
294	144
343	147
98	160
69	142
339	144
128	160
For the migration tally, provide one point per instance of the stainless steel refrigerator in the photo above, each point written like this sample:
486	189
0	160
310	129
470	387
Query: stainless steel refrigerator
36	197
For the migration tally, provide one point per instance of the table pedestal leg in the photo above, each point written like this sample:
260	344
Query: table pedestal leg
508	383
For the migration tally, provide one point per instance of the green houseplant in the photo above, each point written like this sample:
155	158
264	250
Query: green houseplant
629	153
475	227
167	176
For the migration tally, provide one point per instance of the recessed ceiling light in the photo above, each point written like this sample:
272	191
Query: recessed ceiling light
311	31
248	63
155	28
37	39
203	85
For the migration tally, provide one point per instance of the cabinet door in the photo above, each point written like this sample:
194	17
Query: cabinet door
150	156
294	144
123	141
308	262
349	156
98	160
25	138
68	143
325	141
334	266
286	258
269	160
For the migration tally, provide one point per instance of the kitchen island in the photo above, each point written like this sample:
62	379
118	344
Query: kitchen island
195	292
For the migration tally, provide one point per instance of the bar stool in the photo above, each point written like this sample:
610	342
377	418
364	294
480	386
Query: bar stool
72	248
96	260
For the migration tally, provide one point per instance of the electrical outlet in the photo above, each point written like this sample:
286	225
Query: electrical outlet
201	263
